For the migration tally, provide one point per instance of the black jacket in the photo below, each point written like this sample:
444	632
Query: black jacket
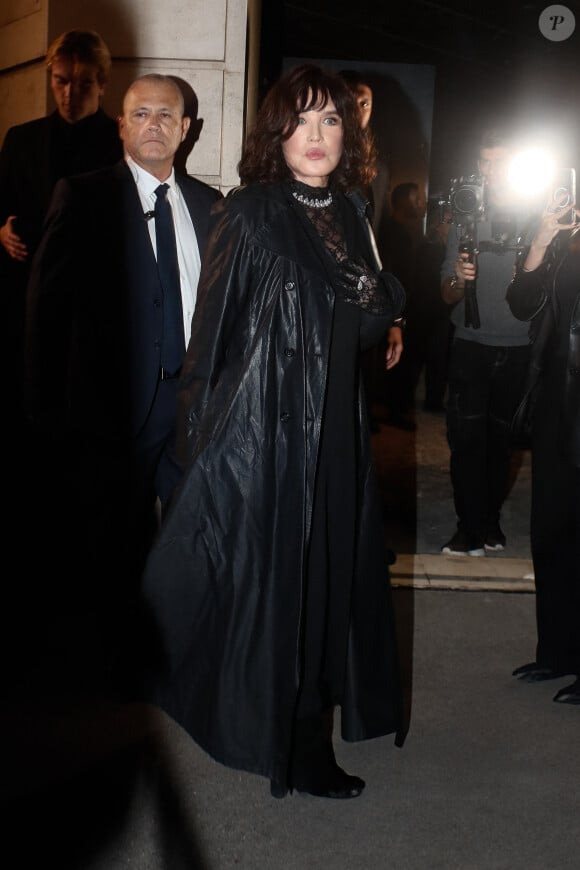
94	318
223	581
34	156
531	296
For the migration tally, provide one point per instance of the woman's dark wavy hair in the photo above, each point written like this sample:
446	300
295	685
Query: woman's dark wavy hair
302	89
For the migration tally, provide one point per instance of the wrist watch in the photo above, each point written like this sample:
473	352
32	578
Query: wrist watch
400	322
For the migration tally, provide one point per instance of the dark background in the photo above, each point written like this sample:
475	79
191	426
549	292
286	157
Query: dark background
492	65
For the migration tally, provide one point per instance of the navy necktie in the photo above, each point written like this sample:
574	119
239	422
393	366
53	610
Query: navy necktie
173	344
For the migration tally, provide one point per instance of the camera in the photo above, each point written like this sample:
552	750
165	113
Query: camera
467	203
563	195
467	199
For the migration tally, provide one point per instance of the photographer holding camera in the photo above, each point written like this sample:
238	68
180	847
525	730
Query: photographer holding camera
489	353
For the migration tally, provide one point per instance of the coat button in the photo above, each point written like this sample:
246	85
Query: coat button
284	417
289	285
289	351
157	303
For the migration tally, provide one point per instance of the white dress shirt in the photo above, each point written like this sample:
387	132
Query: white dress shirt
187	247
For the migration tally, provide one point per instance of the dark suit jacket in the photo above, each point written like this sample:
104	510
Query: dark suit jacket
34	156
94	317
94	323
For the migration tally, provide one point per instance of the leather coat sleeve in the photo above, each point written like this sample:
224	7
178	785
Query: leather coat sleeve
526	294
221	291
395	292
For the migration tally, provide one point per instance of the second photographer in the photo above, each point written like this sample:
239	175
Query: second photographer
490	349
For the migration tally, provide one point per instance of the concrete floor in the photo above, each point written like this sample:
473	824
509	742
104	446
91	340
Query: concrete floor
487	778
413	469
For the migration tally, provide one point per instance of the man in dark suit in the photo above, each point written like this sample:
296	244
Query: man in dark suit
76	137
99	389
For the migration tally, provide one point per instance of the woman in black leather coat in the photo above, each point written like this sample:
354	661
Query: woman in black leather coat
269	583
546	291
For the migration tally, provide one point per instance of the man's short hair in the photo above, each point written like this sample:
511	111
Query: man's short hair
85	47
158	79
495	137
400	193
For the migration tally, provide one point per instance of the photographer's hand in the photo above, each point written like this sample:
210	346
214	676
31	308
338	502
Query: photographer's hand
545	234
464	269
453	288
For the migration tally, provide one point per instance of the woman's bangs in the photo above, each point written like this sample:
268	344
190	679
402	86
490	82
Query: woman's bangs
312	100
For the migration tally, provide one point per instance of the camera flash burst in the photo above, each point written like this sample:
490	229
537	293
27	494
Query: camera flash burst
531	171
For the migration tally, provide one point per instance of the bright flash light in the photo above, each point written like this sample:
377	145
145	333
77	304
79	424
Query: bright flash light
531	171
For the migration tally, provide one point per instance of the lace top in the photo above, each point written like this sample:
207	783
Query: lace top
320	206
355	281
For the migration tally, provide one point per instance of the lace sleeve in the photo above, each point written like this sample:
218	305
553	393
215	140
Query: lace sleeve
376	293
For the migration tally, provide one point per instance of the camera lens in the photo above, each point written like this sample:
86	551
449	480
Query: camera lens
562	197
465	200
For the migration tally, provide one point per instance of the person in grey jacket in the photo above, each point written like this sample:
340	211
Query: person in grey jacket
268	585
488	359
546	293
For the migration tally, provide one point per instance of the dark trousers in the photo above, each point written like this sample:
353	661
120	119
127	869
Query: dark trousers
555	537
426	341
485	387
436	360
400	382
84	528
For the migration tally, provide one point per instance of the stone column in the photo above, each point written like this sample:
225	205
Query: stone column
204	43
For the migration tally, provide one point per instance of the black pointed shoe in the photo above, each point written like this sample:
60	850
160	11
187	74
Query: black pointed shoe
313	769
569	694
535	673
335	783
277	789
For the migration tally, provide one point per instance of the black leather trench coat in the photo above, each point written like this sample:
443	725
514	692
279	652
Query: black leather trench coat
531	296
224	580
